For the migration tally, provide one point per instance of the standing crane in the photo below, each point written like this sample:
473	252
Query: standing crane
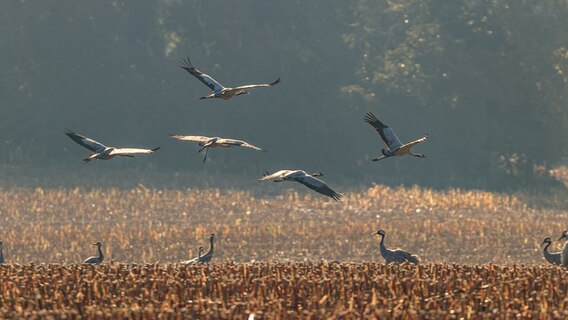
394	146
551	257
397	255
564	252
194	260
2	261
215	142
103	152
206	258
301	176
218	90
96	259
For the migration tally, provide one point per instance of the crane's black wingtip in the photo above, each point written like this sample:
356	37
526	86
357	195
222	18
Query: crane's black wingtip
337	196
70	133
158	148
186	63
370	117
277	81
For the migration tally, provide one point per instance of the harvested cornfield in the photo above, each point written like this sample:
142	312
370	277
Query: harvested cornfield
285	257
273	290
146	226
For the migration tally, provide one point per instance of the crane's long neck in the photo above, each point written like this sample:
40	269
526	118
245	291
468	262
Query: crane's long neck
100	253
546	247
210	248
546	252
383	248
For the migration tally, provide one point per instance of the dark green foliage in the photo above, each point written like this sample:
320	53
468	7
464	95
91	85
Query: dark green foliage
486	79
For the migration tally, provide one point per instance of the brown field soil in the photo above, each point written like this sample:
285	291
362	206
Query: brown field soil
315	258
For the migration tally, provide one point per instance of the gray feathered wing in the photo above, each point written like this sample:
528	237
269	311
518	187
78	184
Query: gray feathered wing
88	143
239	143
318	186
263	85
131	151
205	78
201	139
387	134
276	176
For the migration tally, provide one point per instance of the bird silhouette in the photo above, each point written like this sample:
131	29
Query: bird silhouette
394	146
96	259
301	176
215	142
219	91
397	255
552	257
206	258
103	152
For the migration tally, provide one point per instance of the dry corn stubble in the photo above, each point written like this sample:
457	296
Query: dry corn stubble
143	225
279	290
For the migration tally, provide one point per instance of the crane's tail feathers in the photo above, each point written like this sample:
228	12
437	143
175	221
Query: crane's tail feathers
264	175
414	259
